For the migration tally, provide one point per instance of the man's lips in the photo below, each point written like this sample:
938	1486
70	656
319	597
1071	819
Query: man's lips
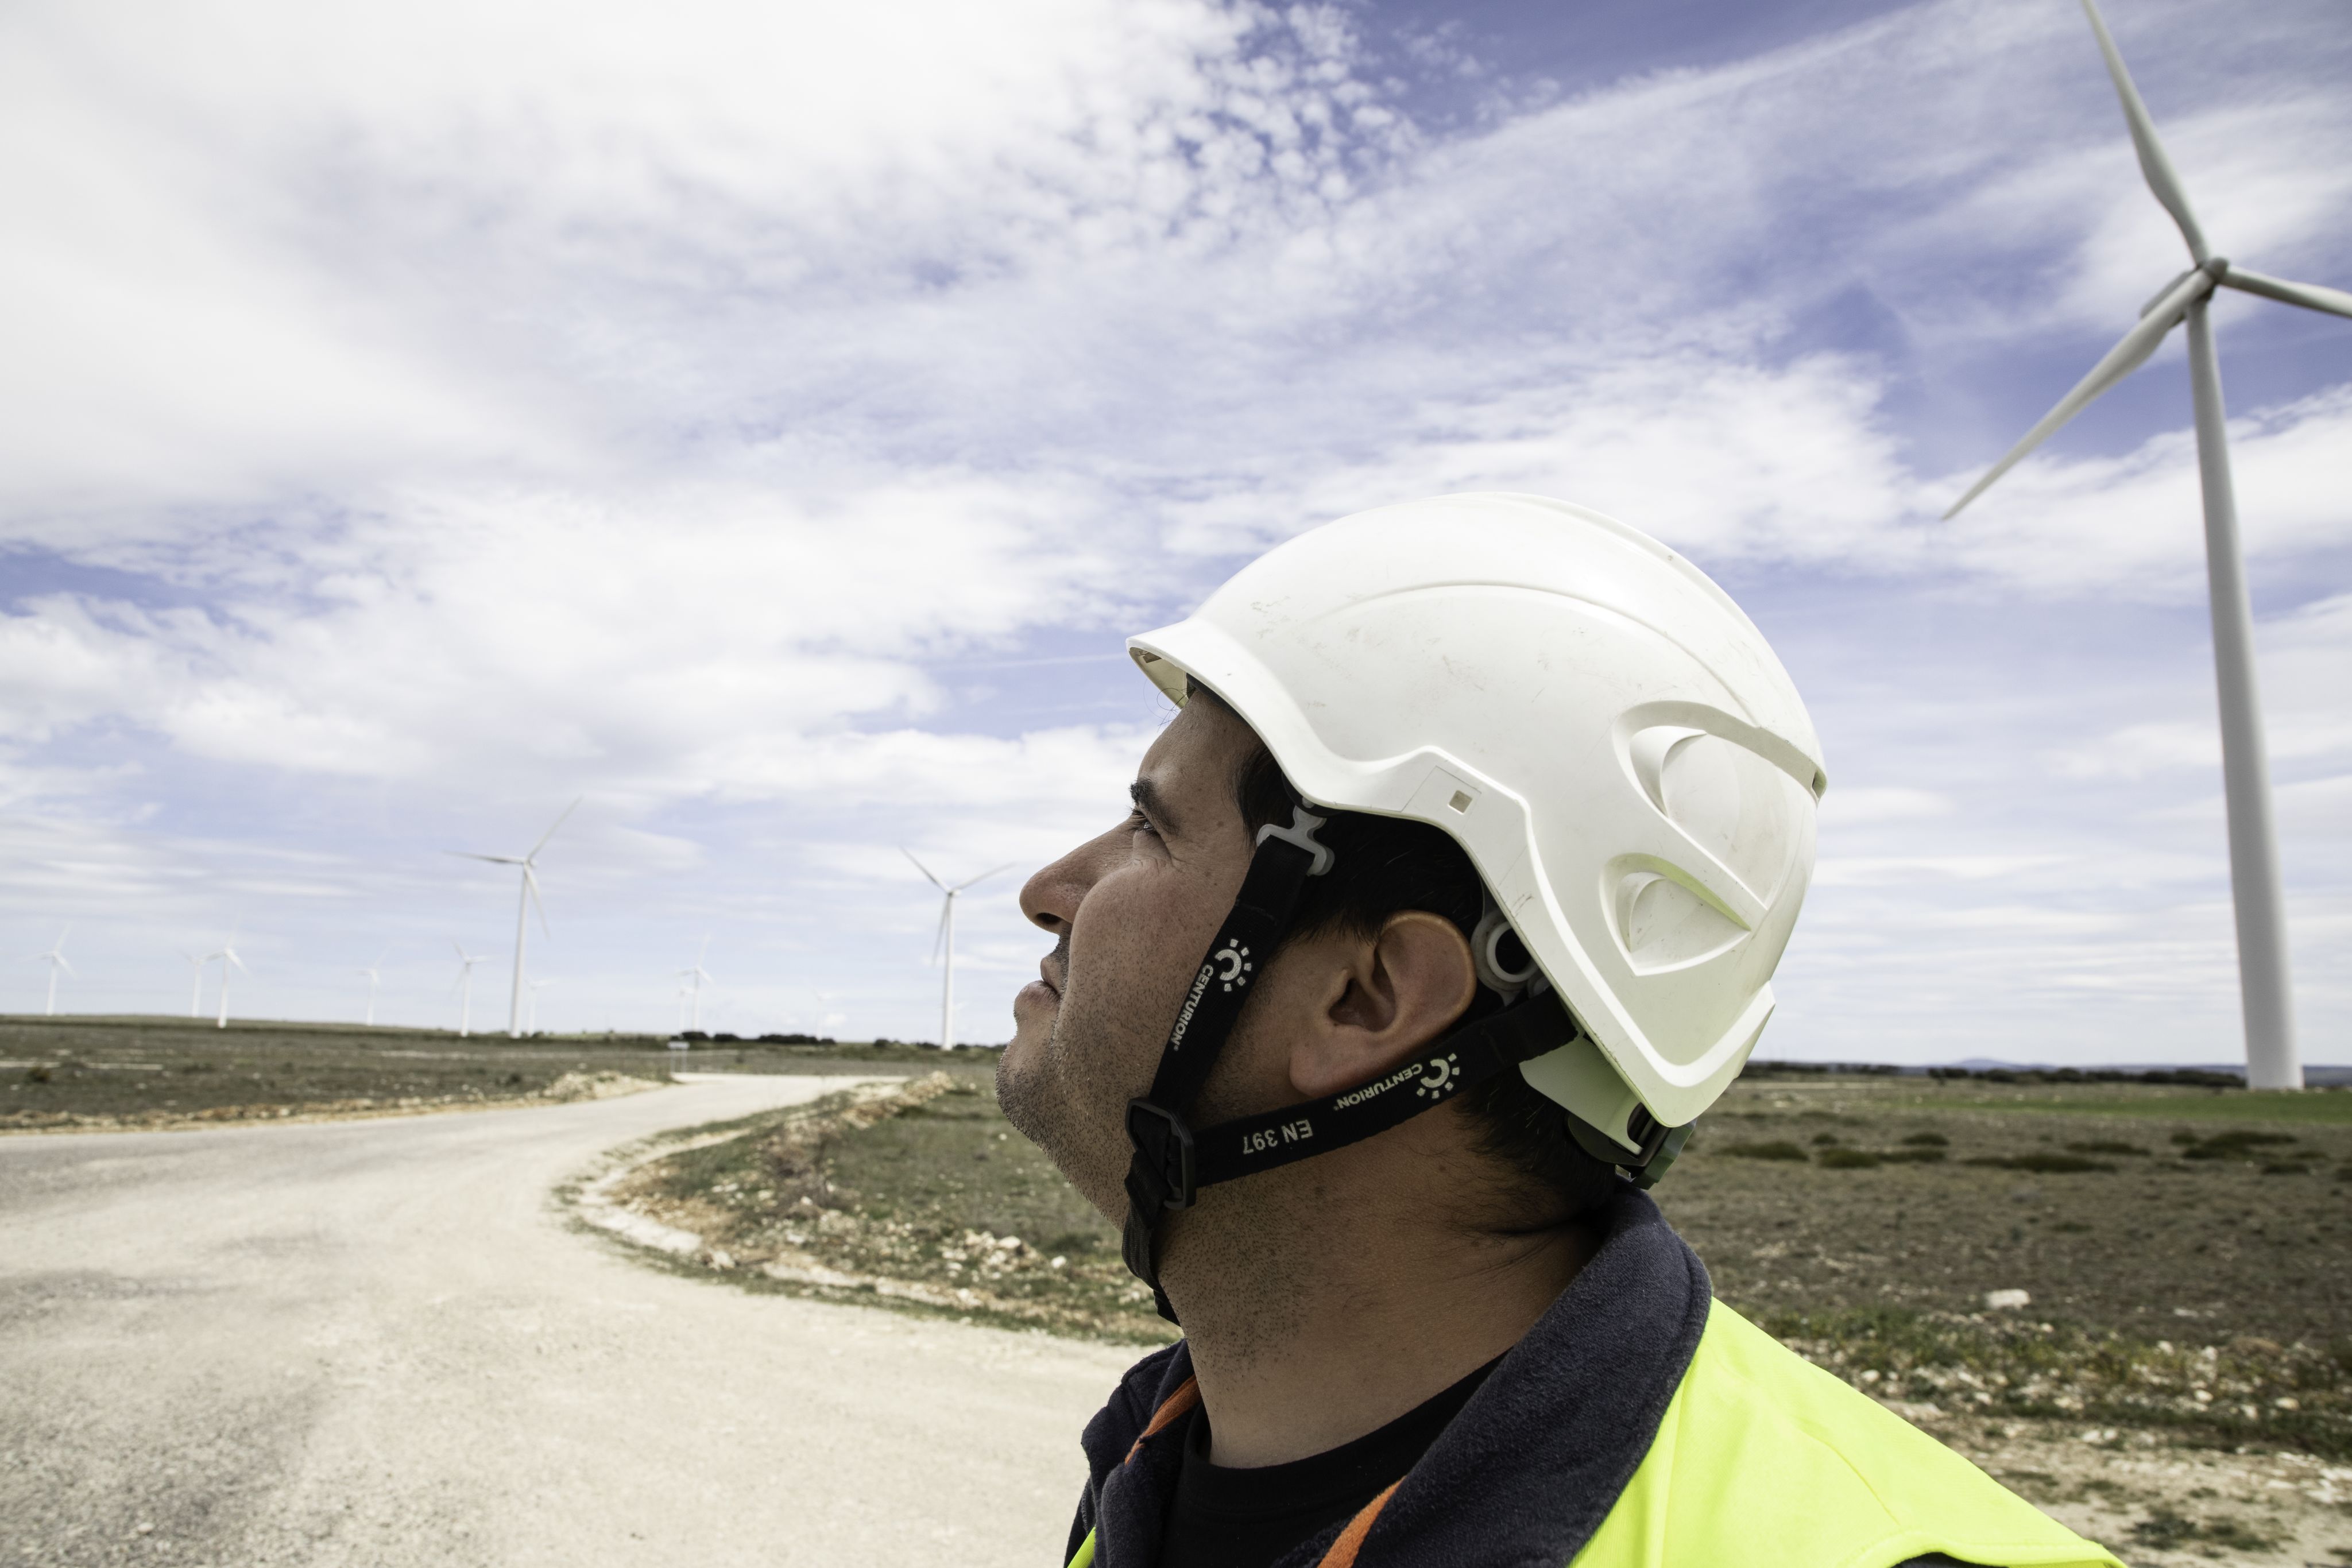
1045	977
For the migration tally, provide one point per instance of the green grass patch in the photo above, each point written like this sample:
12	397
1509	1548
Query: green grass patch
2041	1161
2317	1107
2247	1390
1767	1149
2165	1531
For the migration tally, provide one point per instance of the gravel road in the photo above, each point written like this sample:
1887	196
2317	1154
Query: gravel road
377	1342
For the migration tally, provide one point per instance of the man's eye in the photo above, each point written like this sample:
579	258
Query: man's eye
1138	823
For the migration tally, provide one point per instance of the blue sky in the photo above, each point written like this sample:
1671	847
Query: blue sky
765	422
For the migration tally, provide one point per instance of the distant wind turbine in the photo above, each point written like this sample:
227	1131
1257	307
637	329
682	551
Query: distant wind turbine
695	978
228	956
373	979
943	946
464	987
54	957
2265	994
535	986
523	902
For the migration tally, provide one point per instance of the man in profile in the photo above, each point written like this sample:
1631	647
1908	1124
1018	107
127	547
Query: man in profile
1448	901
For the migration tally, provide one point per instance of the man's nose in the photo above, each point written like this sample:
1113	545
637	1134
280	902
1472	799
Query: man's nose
1050	898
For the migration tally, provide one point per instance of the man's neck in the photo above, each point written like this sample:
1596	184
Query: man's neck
1313	1324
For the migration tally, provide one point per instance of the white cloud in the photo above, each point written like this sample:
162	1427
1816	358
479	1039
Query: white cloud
1843	807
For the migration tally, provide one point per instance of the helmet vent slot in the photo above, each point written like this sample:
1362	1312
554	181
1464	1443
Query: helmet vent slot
1737	805
1663	924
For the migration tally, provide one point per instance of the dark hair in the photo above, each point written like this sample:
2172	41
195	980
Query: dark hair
1383	866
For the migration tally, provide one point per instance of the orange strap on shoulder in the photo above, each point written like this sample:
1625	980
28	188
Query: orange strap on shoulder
1171	1409
1351	1540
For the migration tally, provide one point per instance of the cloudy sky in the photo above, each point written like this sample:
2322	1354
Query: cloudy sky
765	422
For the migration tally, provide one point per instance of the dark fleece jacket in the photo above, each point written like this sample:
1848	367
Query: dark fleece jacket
1522	1477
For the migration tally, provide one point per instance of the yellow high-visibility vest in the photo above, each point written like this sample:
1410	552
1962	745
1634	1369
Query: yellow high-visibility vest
1765	1461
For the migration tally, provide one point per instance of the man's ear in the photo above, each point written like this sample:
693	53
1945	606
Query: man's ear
1389	996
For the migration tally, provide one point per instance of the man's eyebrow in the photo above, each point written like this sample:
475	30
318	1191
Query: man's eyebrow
1152	804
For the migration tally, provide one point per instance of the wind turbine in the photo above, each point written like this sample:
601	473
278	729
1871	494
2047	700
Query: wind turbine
944	944
55	960
523	901
373	979
228	956
2264	993
691	992
464	987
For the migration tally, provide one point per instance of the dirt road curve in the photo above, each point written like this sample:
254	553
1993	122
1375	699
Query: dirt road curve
375	1342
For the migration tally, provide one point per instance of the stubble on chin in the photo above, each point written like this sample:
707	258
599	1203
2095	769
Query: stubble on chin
1054	1103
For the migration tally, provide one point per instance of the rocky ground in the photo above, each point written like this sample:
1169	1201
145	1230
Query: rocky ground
2129	1303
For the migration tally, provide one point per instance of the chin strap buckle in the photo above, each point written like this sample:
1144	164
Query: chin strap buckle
1159	1177
1162	1174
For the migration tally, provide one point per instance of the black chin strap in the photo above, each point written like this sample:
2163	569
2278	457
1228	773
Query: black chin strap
1172	1162
1161	1176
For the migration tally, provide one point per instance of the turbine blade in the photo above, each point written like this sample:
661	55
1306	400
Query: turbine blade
983	876
530	886
2122	360
2153	164
67	968
920	866
550	832
494	860
2310	296
238	961
940	939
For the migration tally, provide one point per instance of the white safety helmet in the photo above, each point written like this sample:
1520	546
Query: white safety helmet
1596	723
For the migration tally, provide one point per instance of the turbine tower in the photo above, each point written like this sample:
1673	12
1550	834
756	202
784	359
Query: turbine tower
55	960
2265	994
527	896
943	946
228	956
691	992
373	979
464	987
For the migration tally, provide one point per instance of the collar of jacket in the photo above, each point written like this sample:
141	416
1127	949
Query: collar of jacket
1524	1475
